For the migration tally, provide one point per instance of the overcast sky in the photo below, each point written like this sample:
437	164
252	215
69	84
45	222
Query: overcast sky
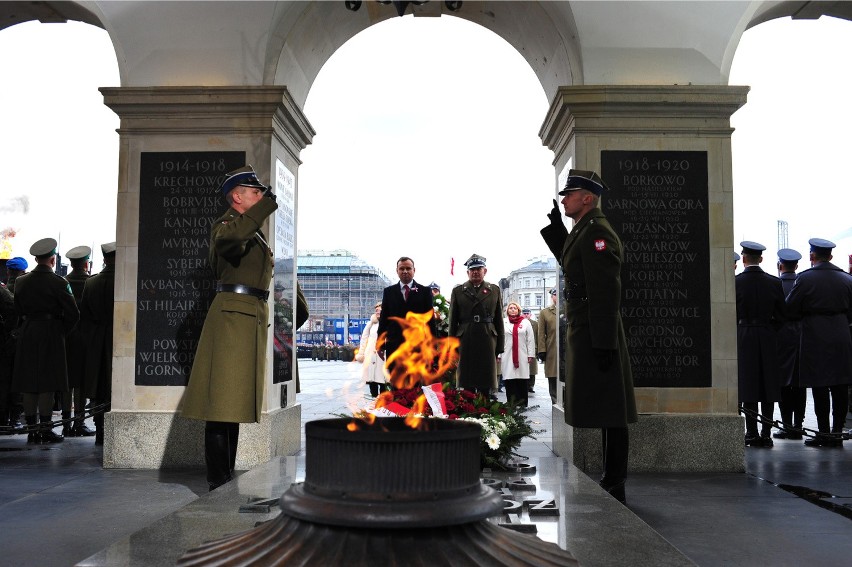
428	148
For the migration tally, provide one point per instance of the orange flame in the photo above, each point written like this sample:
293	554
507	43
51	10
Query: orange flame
420	359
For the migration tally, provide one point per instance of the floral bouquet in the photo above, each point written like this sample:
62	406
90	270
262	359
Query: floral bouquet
503	426
441	307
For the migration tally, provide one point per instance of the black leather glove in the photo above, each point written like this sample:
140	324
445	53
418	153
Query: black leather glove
542	356
555	215
270	194
604	358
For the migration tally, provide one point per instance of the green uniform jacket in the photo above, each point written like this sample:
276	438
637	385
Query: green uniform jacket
479	342
229	371
96	323
591	257
548	331
47	313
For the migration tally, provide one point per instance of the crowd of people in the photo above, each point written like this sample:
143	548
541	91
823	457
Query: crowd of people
56	344
793	333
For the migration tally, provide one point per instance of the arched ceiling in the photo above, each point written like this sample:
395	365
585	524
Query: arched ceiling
565	43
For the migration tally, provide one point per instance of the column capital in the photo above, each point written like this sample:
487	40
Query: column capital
234	110
640	110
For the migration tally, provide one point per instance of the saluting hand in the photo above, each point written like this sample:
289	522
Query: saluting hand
555	215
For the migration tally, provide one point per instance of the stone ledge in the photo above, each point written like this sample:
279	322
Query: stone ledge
157	440
661	443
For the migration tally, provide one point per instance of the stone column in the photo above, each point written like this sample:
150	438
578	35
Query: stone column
688	416
259	125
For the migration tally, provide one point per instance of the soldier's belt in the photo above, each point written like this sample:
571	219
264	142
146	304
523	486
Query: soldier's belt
478	319
41	317
244	290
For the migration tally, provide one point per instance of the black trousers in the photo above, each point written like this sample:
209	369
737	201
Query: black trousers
615	445
220	451
839	405
792	405
376	388
516	389
767	411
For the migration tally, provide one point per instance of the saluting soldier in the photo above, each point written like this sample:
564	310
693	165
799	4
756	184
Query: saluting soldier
822	299
598	377
75	349
97	308
760	313
548	343
46	313
227	381
476	318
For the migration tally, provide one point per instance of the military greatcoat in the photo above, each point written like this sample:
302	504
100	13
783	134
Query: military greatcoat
591	257
476	318
47	312
548	331
760	312
229	371
97	308
75	345
822	299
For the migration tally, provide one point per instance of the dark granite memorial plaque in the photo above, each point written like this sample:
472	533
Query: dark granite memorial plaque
284	285
178	203
658	204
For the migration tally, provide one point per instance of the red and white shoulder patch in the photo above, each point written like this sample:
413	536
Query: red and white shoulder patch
600	245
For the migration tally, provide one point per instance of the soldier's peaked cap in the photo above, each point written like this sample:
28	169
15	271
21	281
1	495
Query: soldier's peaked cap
821	245
108	248
752	248
43	248
475	261
79	253
736	257
581	179
244	176
789	255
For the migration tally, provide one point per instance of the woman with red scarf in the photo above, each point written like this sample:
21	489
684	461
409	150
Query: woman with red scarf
518	353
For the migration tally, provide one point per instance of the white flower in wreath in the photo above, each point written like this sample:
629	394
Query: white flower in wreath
493	441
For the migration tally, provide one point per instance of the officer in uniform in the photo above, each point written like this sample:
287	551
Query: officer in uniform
75	349
548	343
793	397
527	313
736	259
228	375
821	299
15	268
96	323
46	312
476	318
598	377
760	313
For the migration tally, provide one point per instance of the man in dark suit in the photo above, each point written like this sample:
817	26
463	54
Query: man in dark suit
598	377
822	299
405	296
760	312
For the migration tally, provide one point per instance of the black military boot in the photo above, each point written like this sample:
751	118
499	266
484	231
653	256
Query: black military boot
99	428
46	431
33	436
217	455
80	428
68	426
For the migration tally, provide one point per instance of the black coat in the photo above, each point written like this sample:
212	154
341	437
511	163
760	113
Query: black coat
760	313
75	342
822	300
788	340
47	312
394	305
96	323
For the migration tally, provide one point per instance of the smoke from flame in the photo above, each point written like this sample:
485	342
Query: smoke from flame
20	203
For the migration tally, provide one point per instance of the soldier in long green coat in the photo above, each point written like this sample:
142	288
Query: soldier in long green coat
599	381
75	349
227	381
476	318
548	343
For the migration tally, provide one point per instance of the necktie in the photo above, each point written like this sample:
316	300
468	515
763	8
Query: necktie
405	292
